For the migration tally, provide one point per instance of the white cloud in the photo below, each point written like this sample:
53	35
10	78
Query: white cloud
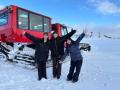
105	6
1	7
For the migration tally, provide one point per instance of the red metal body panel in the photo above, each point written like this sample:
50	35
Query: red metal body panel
5	30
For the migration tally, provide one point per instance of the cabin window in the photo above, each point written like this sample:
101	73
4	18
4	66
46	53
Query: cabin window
46	25
36	22
22	19
3	18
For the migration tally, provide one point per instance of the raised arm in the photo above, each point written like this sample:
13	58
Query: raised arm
80	37
68	35
32	38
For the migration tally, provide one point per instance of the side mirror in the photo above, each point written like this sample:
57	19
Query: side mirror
9	9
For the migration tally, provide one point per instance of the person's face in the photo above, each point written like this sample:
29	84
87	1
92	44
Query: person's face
45	36
68	41
55	35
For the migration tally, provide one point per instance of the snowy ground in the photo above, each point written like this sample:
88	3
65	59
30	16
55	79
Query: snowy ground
100	71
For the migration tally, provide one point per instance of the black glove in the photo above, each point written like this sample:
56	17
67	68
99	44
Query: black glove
73	30
60	62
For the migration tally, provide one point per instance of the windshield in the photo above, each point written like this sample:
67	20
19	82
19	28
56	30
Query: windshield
3	18
64	30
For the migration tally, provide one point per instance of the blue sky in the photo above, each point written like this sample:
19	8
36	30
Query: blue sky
74	12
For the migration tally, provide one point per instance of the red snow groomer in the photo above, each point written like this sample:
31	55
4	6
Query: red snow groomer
13	21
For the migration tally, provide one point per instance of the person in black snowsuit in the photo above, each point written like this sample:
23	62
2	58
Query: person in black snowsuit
76	57
57	51
41	53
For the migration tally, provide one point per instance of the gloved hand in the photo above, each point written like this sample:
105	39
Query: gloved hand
73	30
60	62
23	33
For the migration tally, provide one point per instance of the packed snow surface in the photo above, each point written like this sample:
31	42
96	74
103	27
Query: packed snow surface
100	71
